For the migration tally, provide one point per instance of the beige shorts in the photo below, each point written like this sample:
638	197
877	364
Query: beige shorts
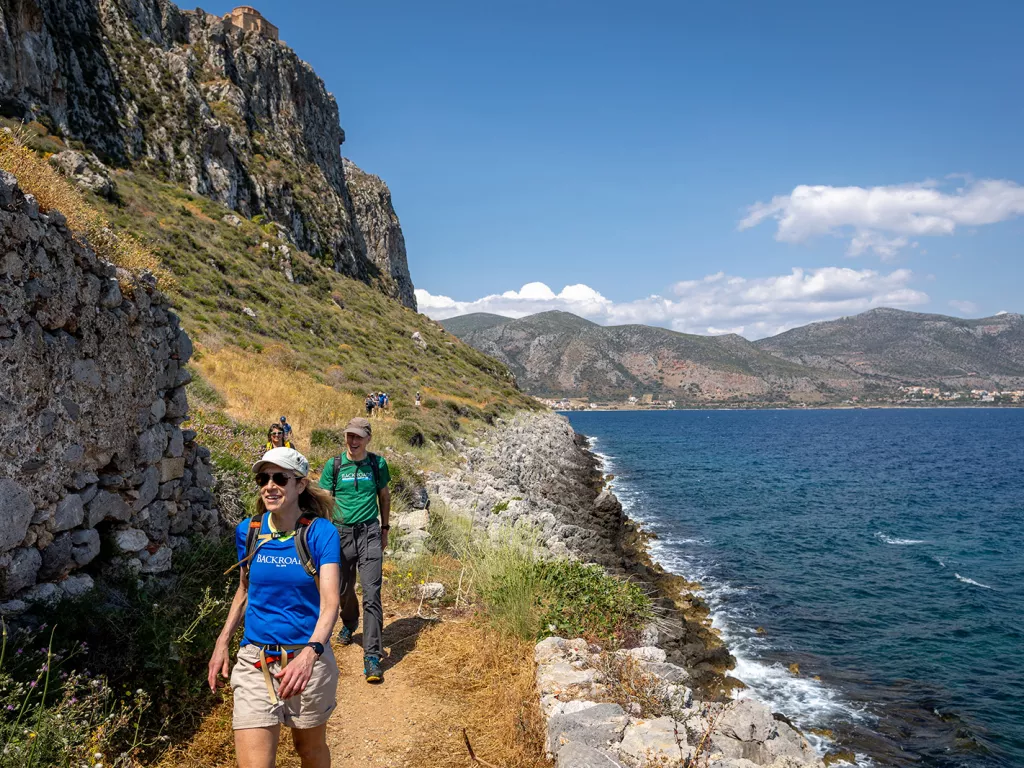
254	709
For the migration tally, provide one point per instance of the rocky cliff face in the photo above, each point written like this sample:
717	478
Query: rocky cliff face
230	114
382	238
92	396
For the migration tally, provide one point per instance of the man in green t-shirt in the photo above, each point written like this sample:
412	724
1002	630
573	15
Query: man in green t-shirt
358	480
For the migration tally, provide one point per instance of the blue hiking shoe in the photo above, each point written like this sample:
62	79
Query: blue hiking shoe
372	670
345	636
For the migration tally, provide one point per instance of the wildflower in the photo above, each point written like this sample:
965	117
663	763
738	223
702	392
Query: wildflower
98	756
139	691
31	734
74	699
20	651
33	684
10	707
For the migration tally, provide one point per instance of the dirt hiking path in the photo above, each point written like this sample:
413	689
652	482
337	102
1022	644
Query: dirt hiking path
384	724
440	676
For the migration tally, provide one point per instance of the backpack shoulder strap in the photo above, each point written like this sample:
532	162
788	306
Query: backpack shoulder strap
251	536
375	469
303	525
334	476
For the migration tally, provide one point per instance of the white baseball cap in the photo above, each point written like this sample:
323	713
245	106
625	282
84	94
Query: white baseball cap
285	458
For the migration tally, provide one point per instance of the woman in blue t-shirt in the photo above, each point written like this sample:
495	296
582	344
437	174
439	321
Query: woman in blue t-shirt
285	672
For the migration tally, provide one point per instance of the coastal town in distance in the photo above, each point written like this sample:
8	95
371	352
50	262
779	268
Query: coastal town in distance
904	396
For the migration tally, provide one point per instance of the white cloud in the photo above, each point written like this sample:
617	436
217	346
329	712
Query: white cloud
883	219
964	307
715	304
1002	312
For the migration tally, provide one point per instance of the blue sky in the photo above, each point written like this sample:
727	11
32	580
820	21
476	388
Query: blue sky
622	149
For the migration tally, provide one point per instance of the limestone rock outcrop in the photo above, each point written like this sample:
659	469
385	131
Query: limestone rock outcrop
377	225
92	398
230	113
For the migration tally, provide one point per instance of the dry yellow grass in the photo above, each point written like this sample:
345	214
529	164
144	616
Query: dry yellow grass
487	680
259	389
37	177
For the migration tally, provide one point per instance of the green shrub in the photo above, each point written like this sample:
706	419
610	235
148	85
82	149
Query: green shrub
581	600
410	433
326	438
501	506
58	696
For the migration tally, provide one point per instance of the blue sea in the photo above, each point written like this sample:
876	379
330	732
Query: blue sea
880	550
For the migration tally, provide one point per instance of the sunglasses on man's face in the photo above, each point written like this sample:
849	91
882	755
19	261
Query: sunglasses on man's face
280	479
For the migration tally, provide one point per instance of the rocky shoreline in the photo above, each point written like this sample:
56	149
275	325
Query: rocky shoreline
534	469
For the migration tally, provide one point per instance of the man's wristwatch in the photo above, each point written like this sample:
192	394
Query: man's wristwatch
385	527
318	648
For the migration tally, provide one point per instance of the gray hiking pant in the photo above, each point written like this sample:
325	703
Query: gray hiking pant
360	549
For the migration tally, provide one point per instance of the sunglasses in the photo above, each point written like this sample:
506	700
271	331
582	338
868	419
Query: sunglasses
280	479
277	434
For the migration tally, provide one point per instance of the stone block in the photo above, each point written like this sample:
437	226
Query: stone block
548	649
155	520
656	655
159	561
158	409
573	755
77	585
149	489
85	545
204	478
167	489
108	506
181	520
88	493
670	673
70	513
176	444
432	591
653	742
16	510
177	404
171	469
46	593
152	444
131	540
57	557
13	607
560	677
598	727
23	570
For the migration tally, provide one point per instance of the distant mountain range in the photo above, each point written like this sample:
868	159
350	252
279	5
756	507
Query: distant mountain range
557	354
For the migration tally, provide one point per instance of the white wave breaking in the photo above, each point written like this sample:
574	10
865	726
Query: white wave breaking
807	701
894	540
965	580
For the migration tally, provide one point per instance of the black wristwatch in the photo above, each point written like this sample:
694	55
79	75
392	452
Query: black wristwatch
318	648
385	527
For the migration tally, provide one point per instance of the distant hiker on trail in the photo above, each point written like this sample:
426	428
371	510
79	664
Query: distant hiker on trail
359	482
276	438
287	428
371	403
418	403
382	402
288	586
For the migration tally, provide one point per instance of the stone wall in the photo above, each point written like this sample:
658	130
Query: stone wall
92	396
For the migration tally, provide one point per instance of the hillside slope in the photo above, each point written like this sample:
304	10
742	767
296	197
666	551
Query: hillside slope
557	354
238	285
190	98
911	348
